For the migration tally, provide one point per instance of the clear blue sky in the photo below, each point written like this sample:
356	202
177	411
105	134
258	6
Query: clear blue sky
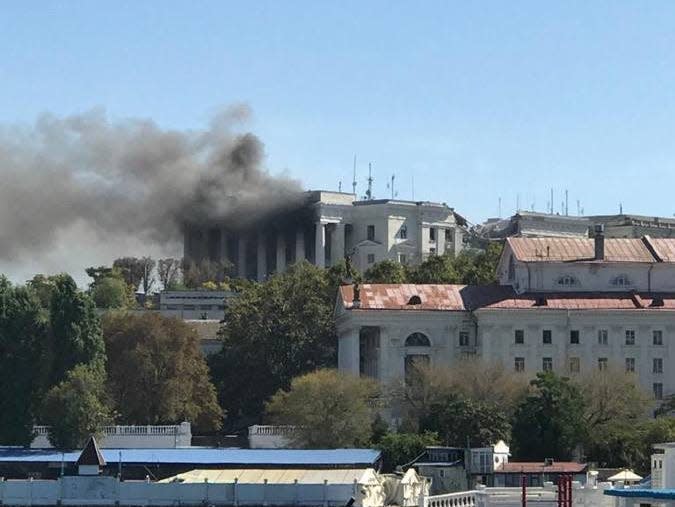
477	99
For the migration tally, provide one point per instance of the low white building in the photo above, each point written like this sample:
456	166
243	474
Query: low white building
565	304
130	437
194	304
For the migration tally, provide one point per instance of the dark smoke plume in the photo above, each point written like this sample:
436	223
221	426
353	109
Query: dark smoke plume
68	182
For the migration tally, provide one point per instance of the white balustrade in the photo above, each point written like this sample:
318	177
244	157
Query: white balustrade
462	499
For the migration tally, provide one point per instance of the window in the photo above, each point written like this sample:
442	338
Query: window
602	336
520	364
432	251
575	365
546	336
630	337
602	363
657	366
519	336
547	364
620	281
371	233
448	235
630	365
567	281
658	390
463	338
417	340
402	232
657	335
402	258
371	258
432	234
574	337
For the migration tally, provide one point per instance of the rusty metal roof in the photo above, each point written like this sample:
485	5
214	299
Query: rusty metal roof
560	249
495	297
564	467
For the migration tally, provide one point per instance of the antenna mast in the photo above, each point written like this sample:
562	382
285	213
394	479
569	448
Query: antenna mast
393	194
552	203
354	180
567	208
369	192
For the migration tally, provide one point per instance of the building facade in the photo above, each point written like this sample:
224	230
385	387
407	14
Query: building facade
571	305
330	226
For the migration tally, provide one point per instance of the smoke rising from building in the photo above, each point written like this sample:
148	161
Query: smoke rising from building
96	183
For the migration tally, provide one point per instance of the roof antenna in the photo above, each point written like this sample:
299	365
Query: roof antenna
393	193
567	208
340	186
552	203
354	180
620	209
369	192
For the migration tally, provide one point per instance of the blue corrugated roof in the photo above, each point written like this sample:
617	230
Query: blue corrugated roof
660	494
205	456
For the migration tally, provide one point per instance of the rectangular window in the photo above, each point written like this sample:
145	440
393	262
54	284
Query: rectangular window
371	233
630	337
658	390
448	235
630	365
546	336
371	258
432	234
602	363
519	336
575	365
520	364
463	338
602	336
657	335
402	232
402	259
657	366
547	364
574	337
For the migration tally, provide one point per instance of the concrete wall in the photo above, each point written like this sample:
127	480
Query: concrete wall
130	437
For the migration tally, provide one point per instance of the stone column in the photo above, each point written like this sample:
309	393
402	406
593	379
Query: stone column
320	245
337	247
281	253
440	241
241	257
348	351
224	254
261	271
299	245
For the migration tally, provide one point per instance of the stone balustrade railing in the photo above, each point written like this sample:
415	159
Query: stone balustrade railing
462	499
147	436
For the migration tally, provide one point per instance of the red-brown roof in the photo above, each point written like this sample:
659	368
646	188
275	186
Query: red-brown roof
583	249
495	297
559	467
663	248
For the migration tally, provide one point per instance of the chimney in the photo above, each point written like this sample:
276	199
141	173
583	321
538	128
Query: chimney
599	236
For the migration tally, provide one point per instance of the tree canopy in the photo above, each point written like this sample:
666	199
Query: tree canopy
157	373
330	409
549	422
399	449
275	331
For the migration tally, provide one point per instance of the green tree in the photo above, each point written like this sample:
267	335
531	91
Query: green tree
462	422
43	287
23	339
97	273
274	332
132	270
75	329
386	271
550	421
110	292
330	409
76	408
157	373
399	449
478	268
436	269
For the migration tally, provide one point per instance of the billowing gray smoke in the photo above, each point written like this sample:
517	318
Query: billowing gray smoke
83	181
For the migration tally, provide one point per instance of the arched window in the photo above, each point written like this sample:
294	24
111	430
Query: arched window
568	281
417	340
415	300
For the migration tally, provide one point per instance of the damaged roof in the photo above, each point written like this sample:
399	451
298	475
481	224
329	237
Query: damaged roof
411	297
